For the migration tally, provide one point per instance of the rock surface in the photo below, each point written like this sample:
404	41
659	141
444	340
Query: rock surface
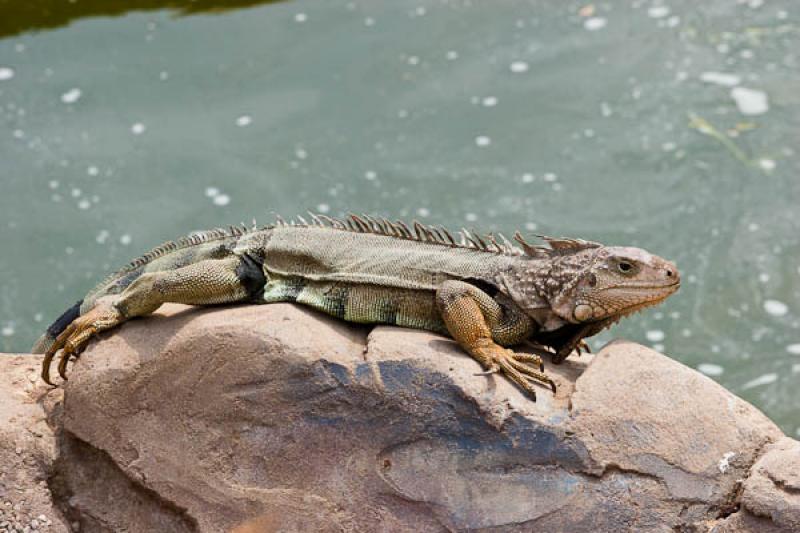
275	418
27	450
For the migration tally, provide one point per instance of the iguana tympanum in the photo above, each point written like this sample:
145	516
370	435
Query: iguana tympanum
486	293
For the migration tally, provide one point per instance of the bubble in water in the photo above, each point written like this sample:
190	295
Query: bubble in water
212	191
518	67
323	208
595	23
125	239
424	212
92	170
483	140
655	335
370	175
6	73
775	307
300	17
244	120
451	55
7	330
710	369
138	128
489	101
71	96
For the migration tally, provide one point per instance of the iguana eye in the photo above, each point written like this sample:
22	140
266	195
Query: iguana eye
624	267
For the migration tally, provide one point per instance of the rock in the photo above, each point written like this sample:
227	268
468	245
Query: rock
276	418
27	449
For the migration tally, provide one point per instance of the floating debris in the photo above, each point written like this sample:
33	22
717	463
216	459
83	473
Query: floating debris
721	78
71	96
710	369
750	101
766	379
775	307
595	23
518	67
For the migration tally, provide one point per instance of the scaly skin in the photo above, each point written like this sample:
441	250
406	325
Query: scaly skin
487	295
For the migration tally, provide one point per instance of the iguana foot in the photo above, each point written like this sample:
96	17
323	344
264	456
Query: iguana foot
520	368
73	340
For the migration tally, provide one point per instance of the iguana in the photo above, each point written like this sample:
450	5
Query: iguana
487	293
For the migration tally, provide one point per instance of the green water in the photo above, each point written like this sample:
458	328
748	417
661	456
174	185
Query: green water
121	129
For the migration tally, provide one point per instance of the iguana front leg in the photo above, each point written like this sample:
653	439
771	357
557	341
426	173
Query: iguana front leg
480	325
213	281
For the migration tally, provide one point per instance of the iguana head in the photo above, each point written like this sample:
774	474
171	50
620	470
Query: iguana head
611	282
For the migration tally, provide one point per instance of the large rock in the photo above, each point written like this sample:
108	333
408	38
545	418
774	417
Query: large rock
275	418
27	450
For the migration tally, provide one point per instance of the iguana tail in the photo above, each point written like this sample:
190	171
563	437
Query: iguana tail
211	244
55	329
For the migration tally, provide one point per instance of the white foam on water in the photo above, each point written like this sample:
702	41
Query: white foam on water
489	101
766	164
301	153
125	239
518	67
221	199
323	208
793	349
658	12
6	73
710	369
451	55
775	307
750	101
483	140
138	128
7	330
92	170
370	175
424	212
595	23
721	78
71	96
212	191
655	335
766	379
300	17
244	120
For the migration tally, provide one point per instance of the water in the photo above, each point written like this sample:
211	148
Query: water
671	125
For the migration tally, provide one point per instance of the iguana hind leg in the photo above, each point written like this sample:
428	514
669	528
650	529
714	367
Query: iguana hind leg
479	323
213	281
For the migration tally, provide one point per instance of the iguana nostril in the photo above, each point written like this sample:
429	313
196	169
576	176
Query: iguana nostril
669	273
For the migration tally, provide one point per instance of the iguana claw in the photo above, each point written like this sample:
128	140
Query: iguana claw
517	366
73	340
